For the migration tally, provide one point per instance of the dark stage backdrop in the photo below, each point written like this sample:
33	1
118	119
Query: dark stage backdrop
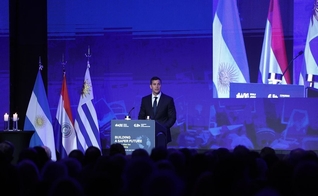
131	41
4	58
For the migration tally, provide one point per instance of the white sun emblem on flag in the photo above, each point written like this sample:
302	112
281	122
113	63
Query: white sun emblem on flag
227	74
86	89
39	121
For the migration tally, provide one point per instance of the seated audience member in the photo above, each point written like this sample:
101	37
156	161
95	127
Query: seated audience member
7	148
139	153
164	183
51	172
42	156
74	167
91	155
77	154
29	177
116	148
48	152
8	171
30	154
66	186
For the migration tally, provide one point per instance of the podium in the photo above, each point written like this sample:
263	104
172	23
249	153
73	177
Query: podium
311	92
20	140
135	134
258	90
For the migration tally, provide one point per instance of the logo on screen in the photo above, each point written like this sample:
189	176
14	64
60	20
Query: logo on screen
245	95
272	96
137	125
121	125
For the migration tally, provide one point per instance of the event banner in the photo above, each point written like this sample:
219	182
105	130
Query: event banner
134	134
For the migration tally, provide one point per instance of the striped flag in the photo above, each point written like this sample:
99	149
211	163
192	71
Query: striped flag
310	65
64	128
86	122
38	118
273	58
229	55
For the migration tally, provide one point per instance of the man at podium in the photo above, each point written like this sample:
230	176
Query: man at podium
159	107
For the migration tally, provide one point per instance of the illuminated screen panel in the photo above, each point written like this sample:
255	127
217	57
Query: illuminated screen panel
131	42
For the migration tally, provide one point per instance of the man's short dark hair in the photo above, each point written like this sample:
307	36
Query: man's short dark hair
154	78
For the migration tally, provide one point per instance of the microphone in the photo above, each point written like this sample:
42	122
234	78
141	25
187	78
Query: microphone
128	115
290	63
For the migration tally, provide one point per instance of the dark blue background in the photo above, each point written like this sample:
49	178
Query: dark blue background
131	41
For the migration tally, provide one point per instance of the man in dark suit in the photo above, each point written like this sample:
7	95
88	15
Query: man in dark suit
163	112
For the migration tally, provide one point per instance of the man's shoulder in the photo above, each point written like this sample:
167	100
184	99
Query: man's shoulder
165	96
146	97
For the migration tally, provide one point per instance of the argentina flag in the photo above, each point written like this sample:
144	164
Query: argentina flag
310	65
86	122
229	55
64	128
38	118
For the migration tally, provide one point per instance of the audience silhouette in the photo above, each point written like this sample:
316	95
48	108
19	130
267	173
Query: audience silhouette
175	172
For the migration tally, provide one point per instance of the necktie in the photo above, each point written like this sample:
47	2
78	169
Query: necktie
155	105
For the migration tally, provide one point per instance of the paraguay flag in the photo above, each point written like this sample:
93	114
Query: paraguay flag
310	65
229	56
86	122
38	118
64	129
273	58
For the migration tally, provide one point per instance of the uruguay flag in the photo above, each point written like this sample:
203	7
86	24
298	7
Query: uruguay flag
64	129
38	118
86	123
229	56
273	58
310	65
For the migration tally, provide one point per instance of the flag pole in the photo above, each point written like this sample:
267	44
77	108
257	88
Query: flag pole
88	55
40	64
63	62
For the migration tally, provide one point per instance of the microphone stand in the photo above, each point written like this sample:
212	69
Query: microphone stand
290	62
128	116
